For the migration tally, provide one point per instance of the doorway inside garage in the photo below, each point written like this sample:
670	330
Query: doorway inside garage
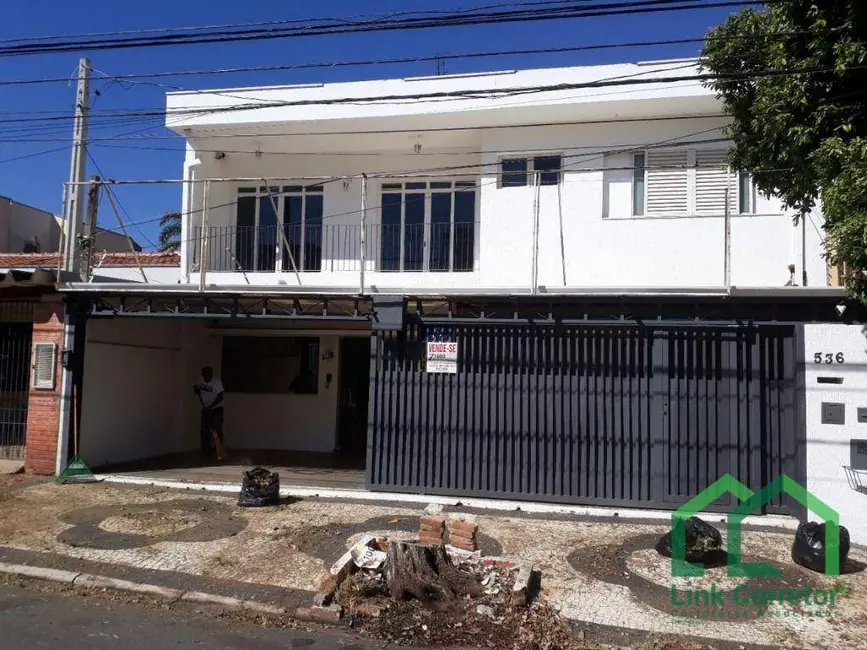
354	390
294	396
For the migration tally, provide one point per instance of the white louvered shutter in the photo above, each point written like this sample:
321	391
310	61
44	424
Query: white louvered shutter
711	178
667	189
44	357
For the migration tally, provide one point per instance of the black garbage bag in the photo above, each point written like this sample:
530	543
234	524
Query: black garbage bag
703	541
259	488
808	549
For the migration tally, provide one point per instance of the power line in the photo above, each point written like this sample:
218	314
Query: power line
410	59
35	154
449	20
448	129
519	90
582	158
285	22
482	94
110	190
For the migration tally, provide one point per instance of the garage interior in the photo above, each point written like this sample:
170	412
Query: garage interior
295	398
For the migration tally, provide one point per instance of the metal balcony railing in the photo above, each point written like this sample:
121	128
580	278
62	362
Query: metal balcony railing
317	248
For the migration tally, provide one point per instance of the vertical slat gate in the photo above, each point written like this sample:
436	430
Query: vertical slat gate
604	414
16	331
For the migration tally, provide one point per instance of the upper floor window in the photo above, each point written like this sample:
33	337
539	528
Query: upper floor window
428	226
519	172
675	182
638	181
263	212
746	194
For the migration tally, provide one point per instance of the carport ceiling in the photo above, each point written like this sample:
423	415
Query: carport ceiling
198	306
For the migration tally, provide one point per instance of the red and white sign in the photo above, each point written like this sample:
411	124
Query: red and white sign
442	356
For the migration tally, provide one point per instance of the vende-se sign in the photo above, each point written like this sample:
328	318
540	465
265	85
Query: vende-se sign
442	356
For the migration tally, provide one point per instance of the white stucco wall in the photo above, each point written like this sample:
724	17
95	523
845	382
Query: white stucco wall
138	399
602	244
131	273
133	383
828	444
287	421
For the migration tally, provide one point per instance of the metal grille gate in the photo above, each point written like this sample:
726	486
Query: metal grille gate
16	331
609	414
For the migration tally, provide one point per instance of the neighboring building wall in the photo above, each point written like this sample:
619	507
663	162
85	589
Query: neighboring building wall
5	210
159	268
29	225
828	445
114	242
22	224
43	413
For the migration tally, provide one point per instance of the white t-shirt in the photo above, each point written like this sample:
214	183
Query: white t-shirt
208	391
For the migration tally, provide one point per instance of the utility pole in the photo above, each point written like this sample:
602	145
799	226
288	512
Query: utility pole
74	207
89	238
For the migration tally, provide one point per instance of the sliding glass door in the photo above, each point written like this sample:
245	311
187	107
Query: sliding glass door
263	212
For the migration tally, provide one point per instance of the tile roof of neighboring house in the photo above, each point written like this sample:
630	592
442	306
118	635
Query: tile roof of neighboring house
29	260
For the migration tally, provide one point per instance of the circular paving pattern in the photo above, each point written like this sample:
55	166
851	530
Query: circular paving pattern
636	564
152	522
329	541
144	524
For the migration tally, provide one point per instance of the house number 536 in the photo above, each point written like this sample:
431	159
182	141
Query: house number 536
828	357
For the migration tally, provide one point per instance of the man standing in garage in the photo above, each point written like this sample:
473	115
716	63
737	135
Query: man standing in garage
210	392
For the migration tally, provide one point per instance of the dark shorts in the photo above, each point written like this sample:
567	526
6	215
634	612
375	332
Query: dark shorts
212	420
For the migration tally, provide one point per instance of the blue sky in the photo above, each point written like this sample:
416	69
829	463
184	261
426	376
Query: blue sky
38	180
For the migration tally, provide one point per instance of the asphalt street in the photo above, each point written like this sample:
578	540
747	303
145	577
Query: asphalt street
41	621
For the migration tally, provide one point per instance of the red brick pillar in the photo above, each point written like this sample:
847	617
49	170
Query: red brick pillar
43	413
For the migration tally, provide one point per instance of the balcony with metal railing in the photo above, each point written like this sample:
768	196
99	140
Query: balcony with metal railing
321	250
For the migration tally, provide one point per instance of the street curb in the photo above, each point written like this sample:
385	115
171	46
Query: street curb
89	581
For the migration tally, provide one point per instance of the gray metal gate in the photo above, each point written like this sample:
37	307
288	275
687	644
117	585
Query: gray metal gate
607	414
16	330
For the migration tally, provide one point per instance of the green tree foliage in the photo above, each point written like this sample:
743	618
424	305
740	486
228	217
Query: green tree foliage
170	231
794	80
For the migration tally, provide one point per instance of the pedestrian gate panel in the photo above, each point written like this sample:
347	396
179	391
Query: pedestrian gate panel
15	339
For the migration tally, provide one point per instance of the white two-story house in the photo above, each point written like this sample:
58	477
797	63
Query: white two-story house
537	284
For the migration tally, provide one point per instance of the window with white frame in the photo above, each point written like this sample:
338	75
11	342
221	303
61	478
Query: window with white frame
520	171
428	226
263	212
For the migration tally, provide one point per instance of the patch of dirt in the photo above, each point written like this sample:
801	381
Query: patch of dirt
538	627
12	483
488	621
329	541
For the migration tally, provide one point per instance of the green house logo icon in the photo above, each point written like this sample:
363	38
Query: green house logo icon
750	503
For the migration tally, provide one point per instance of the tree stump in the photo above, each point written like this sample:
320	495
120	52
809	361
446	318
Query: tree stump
426	573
